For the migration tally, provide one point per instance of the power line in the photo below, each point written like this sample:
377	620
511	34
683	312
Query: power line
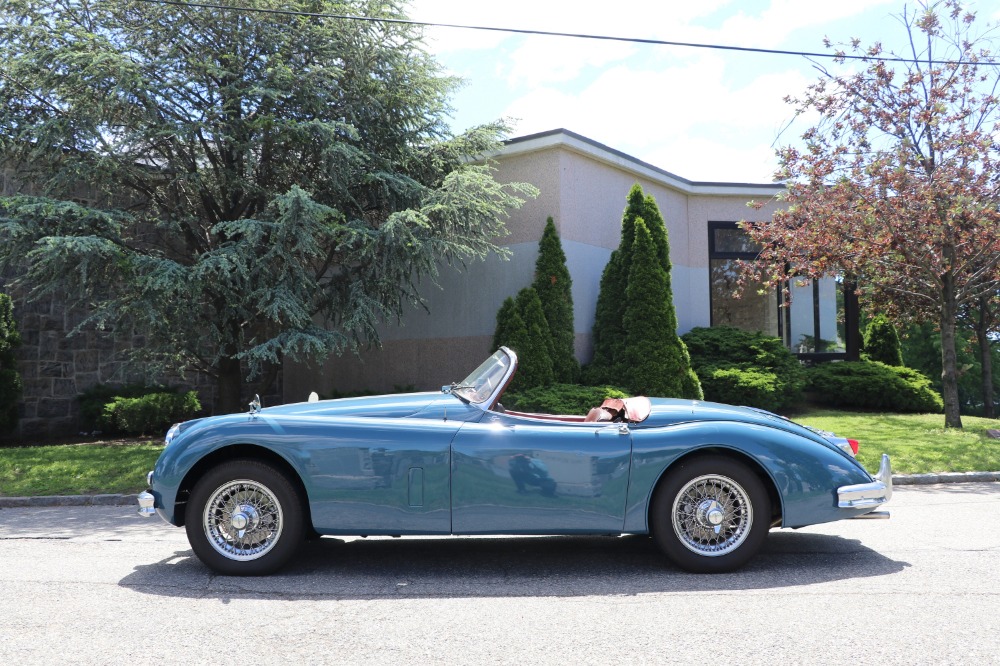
549	33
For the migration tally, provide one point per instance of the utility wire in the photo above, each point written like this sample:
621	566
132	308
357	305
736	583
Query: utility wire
549	33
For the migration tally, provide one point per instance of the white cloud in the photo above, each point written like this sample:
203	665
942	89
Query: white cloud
658	115
543	60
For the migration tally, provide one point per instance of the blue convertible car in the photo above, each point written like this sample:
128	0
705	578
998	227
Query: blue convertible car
706	481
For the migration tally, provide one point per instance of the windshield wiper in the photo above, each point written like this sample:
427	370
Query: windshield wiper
454	386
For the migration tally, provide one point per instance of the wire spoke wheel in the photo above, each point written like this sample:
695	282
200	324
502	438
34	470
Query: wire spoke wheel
247	518
712	515
243	520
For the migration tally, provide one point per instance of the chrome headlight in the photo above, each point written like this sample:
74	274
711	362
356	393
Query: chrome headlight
175	429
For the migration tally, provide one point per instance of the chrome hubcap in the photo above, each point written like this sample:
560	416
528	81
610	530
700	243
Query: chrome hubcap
242	520
712	515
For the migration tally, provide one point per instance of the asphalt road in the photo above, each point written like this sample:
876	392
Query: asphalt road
98	585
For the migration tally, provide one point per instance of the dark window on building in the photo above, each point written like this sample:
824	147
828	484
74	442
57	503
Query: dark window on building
820	323
757	308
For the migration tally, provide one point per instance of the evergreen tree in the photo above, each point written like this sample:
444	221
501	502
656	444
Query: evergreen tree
609	333
267	187
10	379
882	341
508	326
654	360
521	326
535	358
554	287
609	330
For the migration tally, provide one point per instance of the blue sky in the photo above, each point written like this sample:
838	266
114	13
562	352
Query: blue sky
702	114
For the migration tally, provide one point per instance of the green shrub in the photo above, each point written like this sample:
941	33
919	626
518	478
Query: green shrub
100	405
561	398
654	360
150	413
521	326
743	386
610	328
882	341
745	367
93	400
873	385
10	380
554	287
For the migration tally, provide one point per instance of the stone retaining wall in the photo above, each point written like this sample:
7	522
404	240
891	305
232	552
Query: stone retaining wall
57	367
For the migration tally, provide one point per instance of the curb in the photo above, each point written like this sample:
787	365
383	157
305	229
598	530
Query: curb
126	500
944	477
66	500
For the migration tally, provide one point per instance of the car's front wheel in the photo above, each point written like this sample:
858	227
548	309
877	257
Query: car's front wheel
710	514
245	518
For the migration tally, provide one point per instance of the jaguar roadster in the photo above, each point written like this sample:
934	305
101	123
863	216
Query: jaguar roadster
707	481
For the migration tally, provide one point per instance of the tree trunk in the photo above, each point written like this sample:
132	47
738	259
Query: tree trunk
229	385
986	355
949	359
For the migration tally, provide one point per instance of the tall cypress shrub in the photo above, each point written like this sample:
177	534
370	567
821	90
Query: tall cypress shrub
522	327
554	287
609	332
882	341
654	360
535	360
508	325
10	379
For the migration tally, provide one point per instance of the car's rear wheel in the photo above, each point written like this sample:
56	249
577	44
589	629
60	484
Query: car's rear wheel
710	514
245	518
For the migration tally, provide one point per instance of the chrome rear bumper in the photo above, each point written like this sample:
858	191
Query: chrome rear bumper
868	495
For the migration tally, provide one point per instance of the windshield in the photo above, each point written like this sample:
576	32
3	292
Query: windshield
484	380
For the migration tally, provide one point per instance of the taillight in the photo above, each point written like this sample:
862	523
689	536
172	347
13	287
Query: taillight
854	445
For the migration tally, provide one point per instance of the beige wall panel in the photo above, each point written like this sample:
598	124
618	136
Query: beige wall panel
541	169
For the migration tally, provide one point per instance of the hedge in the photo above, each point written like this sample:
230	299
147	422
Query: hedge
745	367
873	385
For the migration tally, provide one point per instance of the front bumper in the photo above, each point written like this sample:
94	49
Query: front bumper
868	495
146	500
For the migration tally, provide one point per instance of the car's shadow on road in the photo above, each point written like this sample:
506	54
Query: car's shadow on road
510	567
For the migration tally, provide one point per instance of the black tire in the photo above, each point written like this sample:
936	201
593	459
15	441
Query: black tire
702	495
255	496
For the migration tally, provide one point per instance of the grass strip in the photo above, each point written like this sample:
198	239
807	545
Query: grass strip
76	469
916	443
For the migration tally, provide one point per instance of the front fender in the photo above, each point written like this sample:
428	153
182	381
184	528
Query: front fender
204	439
804	473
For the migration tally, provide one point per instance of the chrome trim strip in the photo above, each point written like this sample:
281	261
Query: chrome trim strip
863	495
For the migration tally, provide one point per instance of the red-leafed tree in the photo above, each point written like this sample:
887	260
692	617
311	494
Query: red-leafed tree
898	181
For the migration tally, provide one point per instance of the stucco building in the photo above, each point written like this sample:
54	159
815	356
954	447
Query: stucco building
583	186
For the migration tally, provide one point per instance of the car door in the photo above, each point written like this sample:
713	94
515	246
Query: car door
516	475
380	476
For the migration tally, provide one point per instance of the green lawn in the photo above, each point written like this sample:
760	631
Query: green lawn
76	469
917	443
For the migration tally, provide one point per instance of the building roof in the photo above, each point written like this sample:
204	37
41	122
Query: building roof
564	138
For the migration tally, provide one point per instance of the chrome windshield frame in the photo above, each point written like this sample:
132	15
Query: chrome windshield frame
475	395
